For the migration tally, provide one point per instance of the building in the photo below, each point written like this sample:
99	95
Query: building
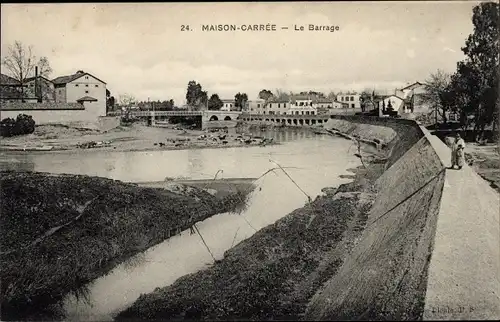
394	101
302	105
414	95
323	103
45	92
255	106
276	107
80	97
228	105
337	104
84	88
353	100
409	90
10	89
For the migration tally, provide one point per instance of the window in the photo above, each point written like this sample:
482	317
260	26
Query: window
307	112
352	98
279	105
96	85
76	85
86	77
352	105
258	105
284	104
86	85
86	92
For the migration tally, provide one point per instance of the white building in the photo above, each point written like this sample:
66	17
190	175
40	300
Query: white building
353	100
279	107
337	104
228	105
255	106
302	105
413	94
83	88
396	102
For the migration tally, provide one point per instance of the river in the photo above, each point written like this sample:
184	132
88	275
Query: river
312	161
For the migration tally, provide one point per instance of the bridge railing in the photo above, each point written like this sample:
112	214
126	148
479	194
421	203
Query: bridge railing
157	113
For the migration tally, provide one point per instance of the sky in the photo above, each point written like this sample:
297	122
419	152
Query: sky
140	49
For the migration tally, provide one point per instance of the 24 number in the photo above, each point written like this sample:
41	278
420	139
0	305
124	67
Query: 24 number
184	27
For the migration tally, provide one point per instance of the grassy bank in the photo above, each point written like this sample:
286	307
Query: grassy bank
274	273
485	160
60	232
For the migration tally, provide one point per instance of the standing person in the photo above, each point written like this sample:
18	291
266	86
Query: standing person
458	152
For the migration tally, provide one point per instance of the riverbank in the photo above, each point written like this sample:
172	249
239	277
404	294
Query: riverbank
135	137
274	273
360	252
62	231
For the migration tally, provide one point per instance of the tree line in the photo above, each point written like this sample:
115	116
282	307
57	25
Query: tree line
472	90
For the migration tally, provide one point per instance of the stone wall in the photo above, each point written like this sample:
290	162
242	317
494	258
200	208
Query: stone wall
48	112
399	269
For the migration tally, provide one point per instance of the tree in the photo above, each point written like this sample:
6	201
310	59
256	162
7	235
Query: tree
240	101
20	62
281	95
436	88
476	81
110	101
195	96
332	96
215	103
265	94
367	99
44	68
127	100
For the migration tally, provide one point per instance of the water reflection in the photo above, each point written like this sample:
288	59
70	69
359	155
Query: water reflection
195	161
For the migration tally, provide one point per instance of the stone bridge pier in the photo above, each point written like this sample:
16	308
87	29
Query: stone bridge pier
219	118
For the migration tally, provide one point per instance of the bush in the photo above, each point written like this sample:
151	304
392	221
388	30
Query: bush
23	124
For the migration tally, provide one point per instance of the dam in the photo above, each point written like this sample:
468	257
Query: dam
428	249
431	245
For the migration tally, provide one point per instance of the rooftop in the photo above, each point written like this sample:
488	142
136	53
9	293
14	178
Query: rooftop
8	81
29	79
62	80
87	99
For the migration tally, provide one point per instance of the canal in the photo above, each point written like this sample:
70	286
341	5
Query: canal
312	161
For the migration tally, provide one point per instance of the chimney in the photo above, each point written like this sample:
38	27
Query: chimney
37	86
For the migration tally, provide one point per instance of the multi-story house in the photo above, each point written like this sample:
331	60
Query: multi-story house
82	87
353	100
228	105
302	105
278	107
254	106
413	95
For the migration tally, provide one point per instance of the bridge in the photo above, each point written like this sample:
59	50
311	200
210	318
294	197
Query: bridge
221	116
289	120
206	115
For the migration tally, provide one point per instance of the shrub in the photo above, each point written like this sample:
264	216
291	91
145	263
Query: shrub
23	124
